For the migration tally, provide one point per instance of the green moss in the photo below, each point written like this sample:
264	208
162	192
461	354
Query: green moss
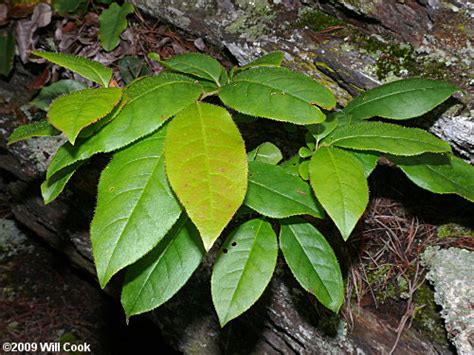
427	318
396	60
317	20
454	230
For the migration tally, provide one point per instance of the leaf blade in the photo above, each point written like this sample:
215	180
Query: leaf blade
313	262
278	94
36	129
400	100
266	152
338	181
437	173
275	193
272	59
112	22
93	71
51	92
214	152
72	113
386	138
135	206
241	274
52	188
196	64
7	51
150	282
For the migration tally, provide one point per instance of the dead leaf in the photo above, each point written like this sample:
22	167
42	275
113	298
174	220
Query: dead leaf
25	31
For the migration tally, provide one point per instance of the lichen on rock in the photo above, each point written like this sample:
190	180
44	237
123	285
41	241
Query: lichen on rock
450	272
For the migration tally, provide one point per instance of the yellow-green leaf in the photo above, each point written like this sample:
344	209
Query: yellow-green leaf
71	113
207	167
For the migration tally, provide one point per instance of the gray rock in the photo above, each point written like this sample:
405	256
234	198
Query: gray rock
451	273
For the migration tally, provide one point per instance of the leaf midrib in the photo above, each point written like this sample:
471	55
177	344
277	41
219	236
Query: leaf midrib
280	194
179	226
457	185
350	109
309	260
206	160
339	182
132	212
274	88
411	140
244	270
133	99
202	70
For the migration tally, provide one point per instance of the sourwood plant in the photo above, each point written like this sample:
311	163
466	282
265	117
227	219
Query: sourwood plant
180	172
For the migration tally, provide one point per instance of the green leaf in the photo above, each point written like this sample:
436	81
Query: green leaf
36	129
338	180
386	138
7	51
368	159
97	126
243	269
313	262
272	59
304	152
207	167
275	193
135	206
160	274
400	100
51	92
303	170
442	174
266	153
51	188
64	6
195	64
279	94
72	113
93	71
321	130
291	166
151	101
112	22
